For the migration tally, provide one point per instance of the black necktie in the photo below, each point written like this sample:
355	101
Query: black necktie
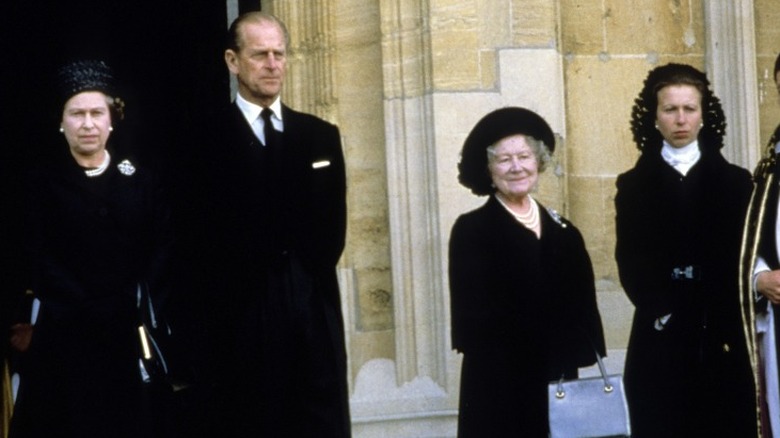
272	149
268	128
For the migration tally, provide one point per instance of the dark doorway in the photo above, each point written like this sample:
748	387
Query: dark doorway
166	54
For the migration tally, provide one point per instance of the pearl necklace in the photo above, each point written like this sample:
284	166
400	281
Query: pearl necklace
100	169
530	219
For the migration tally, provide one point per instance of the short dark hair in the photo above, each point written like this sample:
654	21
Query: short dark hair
233	40
643	114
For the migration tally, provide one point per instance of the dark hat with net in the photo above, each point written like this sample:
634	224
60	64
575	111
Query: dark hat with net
81	76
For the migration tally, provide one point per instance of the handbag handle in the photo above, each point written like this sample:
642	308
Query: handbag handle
560	393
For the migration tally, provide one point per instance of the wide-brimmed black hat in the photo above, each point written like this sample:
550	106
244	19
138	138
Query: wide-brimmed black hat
496	125
80	76
505	122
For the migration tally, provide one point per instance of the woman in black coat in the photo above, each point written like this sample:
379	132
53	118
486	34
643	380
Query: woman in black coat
98	228
522	290
680	212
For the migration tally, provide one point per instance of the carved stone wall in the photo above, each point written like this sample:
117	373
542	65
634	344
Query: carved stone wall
767	40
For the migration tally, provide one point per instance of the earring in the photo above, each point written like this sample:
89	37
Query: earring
62	129
110	128
701	124
656	126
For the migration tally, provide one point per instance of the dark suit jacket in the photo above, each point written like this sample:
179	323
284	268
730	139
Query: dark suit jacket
692	373
297	207
264	235
238	217
523	313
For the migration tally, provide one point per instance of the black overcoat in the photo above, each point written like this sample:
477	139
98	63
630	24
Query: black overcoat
688	376
90	242
524	313
270	228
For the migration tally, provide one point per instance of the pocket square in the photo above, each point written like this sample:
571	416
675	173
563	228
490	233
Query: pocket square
320	164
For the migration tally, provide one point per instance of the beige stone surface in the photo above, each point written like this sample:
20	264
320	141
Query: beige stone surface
455	44
368	345
592	210
495	20
616	314
654	26
635	27
767	15
599	97
582	27
358	74
534	23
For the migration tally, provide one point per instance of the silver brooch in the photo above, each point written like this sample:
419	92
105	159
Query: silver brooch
126	167
556	217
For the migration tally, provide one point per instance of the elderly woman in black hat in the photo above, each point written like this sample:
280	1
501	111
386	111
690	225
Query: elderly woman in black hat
679	219
523	298
98	228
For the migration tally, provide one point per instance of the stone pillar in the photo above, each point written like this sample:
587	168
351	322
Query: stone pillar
309	85
410	392
731	67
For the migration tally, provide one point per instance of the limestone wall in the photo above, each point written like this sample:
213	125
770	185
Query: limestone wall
767	14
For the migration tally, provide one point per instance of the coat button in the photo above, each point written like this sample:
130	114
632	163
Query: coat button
726	348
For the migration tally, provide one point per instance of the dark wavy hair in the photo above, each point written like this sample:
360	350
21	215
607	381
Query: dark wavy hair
643	114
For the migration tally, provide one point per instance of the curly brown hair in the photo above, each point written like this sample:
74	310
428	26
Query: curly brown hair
643	114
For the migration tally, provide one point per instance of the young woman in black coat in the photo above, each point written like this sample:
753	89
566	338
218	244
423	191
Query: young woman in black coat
98	228
680	212
523	298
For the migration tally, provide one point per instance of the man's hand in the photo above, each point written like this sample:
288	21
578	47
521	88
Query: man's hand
768	285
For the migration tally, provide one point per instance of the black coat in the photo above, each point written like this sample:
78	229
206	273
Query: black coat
524	313
90	242
267	231
689	377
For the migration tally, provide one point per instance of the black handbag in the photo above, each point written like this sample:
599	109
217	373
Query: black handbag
589	407
162	359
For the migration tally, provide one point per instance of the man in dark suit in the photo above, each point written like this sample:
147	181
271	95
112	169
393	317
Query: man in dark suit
272	187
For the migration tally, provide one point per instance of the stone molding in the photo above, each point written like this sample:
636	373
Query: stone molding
731	67
420	314
310	84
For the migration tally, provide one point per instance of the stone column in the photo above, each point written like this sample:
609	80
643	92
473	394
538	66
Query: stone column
731	67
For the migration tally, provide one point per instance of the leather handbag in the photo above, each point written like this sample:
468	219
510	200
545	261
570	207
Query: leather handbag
152	334
158	347
589	407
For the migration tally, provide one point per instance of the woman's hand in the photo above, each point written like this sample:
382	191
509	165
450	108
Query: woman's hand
768	285
21	334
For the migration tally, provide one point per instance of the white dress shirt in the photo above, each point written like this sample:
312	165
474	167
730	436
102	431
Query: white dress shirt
251	113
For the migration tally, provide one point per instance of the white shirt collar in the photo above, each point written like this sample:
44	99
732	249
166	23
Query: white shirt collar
682	159
251	111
